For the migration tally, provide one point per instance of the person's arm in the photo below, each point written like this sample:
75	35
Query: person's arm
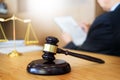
68	40
71	45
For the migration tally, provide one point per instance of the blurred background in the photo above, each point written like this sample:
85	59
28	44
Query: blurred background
42	14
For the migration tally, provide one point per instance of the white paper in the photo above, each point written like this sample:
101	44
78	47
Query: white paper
69	25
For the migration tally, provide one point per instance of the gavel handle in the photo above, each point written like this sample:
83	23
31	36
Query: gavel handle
86	57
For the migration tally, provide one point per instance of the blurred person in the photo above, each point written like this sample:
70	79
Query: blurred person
104	33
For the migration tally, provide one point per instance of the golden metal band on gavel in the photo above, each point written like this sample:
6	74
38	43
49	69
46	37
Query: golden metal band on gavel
50	48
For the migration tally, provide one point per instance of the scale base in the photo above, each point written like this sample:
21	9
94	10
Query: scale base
43	67
14	53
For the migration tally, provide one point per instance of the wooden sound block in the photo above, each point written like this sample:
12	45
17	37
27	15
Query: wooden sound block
43	67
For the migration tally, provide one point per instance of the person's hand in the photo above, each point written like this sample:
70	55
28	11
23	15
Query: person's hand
66	37
85	26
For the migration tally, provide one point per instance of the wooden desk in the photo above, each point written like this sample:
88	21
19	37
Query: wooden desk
15	68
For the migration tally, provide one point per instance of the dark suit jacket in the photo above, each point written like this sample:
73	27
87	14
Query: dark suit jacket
103	36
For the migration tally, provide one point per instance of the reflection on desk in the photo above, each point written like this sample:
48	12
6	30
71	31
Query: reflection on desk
15	68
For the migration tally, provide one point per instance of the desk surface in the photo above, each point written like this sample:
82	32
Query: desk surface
15	68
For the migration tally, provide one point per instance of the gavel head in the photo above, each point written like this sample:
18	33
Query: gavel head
50	48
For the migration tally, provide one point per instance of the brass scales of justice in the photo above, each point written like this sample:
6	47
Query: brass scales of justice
27	40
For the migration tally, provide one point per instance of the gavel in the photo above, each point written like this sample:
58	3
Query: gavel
49	65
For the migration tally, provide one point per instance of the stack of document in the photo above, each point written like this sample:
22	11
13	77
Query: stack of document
7	47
